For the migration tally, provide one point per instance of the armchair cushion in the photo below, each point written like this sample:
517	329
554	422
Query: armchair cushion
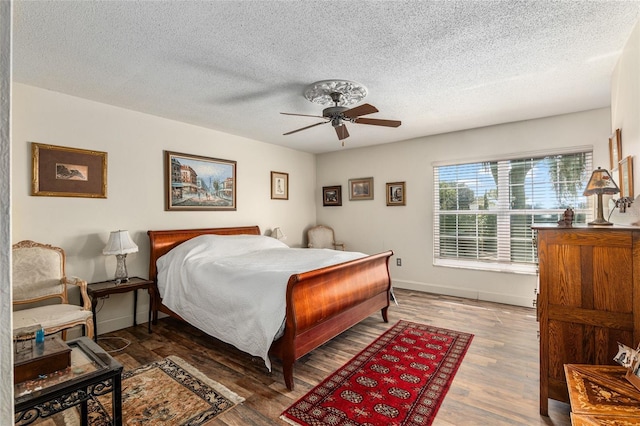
53	318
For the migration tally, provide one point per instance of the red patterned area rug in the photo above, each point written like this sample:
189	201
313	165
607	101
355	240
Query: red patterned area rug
400	379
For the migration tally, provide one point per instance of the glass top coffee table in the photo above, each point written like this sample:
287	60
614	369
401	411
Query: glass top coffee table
93	372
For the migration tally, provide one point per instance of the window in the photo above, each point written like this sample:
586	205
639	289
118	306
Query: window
484	210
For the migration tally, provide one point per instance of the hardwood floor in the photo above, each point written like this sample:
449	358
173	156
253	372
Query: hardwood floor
497	383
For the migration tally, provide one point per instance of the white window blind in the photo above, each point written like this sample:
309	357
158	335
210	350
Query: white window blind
484	210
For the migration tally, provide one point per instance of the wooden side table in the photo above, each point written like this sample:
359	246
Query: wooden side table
105	288
600	395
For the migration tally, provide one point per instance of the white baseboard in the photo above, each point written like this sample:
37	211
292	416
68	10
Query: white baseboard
467	293
113	324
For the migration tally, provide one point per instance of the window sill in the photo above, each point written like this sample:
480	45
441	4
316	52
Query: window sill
511	268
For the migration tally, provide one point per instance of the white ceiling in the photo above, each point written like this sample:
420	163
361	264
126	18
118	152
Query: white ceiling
233	66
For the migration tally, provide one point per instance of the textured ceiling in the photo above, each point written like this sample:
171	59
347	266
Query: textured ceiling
233	66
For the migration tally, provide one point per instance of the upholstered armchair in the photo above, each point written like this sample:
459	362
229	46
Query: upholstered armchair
323	237
38	280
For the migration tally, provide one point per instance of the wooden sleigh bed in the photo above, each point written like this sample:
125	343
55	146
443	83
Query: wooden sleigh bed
320	304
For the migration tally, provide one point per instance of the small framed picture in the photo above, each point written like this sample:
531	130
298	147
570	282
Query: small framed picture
396	194
279	186
361	189
332	195
615	149
626	177
60	171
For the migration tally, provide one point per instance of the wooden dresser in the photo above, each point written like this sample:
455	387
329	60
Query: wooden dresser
588	299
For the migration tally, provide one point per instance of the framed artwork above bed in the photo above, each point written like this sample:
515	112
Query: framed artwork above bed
279	186
194	182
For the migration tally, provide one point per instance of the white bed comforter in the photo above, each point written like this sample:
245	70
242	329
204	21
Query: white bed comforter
234	287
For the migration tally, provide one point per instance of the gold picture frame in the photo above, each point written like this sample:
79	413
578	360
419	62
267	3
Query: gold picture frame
626	177
396	194
279	186
194	182
361	189
615	149
59	171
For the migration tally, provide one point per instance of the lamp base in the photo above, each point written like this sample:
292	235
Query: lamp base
122	276
600	222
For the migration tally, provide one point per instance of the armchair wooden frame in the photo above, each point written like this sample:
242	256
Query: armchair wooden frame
57	290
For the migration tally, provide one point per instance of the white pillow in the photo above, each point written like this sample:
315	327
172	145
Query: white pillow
217	246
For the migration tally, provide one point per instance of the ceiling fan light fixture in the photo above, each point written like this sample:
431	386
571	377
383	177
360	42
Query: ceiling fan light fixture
320	92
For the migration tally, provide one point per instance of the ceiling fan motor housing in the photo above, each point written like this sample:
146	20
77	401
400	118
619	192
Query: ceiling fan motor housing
334	114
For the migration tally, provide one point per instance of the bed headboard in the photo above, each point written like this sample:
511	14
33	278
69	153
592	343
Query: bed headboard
162	241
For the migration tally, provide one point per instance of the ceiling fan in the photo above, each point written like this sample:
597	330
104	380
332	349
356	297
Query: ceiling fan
341	93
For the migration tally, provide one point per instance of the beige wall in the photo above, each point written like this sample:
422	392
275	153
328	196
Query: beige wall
625	102
371	226
135	143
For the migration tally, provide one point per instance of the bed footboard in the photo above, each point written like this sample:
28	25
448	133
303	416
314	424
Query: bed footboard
325	302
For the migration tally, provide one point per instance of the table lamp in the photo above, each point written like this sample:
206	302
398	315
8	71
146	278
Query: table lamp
278	234
600	183
120	244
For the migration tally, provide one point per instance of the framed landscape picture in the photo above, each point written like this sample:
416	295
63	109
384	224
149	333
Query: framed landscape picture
626	177
615	149
279	186
194	182
60	171
396	194
361	189
332	195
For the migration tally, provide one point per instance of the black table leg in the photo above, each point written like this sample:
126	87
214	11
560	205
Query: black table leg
84	413
116	402
135	306
94	303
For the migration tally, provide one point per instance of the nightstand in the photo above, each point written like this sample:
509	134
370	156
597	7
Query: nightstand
105	288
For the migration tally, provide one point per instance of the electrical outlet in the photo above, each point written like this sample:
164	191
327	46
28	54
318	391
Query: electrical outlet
398	262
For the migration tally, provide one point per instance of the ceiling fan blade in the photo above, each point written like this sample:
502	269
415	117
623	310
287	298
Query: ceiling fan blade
305	128
302	115
378	122
342	132
363	109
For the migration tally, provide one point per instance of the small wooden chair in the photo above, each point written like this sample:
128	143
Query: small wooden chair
323	237
39	276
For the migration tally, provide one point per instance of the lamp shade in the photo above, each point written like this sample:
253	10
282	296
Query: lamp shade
601	183
120	243
278	234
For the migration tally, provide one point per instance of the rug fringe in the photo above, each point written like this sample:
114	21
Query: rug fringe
288	420
225	391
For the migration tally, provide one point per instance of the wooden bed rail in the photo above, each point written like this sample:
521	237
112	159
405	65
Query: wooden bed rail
325	302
